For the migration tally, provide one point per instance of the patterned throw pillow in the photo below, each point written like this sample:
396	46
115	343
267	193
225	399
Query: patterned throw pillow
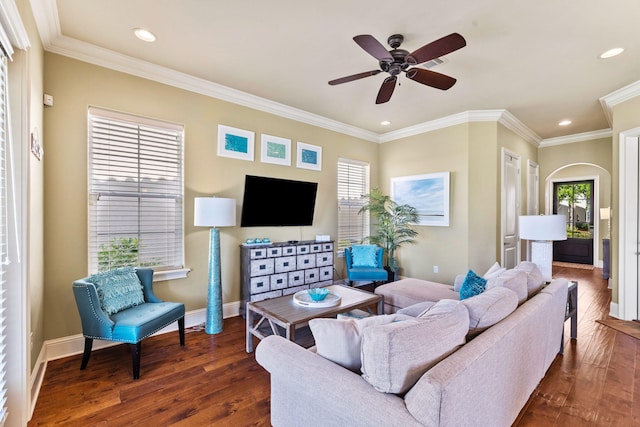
118	289
364	256
472	285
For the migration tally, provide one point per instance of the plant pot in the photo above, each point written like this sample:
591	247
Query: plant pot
392	274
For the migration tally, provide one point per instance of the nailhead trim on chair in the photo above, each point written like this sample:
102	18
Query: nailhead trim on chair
93	308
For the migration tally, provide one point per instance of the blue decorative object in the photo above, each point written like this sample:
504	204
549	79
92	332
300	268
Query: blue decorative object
318	294
473	285
357	274
364	256
118	289
213	322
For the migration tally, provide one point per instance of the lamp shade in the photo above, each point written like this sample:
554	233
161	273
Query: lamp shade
214	212
543	227
605	213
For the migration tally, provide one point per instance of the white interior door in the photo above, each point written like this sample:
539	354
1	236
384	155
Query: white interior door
510	208
533	188
629	246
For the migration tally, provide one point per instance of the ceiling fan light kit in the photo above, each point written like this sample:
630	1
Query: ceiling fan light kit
396	61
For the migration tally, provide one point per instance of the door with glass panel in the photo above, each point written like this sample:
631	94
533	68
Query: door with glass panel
575	201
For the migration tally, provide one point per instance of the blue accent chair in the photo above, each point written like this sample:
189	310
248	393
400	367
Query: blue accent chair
131	325
377	274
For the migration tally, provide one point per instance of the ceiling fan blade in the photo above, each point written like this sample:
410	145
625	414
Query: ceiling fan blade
386	90
373	47
430	78
354	77
435	49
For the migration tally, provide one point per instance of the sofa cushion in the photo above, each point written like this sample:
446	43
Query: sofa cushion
364	256
516	280
472	285
494	271
489	308
416	309
117	289
534	276
396	355
339	340
405	292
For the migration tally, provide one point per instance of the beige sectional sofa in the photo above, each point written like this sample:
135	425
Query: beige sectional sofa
483	382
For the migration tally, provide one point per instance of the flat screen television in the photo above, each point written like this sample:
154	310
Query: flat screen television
274	202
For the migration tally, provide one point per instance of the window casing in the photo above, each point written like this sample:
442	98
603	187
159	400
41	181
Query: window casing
353	184
136	192
4	233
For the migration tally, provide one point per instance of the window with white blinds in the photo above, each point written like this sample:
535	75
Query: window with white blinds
4	234
353	183
135	192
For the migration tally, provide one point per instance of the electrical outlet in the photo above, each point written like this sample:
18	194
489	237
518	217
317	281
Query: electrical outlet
435	268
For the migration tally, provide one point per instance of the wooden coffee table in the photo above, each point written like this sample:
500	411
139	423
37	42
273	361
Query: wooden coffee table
284	312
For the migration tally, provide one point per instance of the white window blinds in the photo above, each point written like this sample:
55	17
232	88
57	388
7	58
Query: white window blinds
4	234
135	192
353	183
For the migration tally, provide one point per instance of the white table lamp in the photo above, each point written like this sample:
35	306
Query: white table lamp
214	212
542	230
605	213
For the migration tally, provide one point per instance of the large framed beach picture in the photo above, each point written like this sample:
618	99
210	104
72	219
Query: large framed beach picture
428	193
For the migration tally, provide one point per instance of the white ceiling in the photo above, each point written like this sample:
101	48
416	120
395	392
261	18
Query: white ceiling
536	59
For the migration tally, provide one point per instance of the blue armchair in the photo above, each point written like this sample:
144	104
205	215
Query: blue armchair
130	325
370	269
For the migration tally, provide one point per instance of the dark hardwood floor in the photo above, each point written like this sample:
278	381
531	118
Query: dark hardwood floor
212	381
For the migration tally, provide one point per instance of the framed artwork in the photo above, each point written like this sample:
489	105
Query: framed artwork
275	150
235	143
428	193
309	156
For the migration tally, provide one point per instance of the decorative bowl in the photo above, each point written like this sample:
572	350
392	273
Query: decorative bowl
318	294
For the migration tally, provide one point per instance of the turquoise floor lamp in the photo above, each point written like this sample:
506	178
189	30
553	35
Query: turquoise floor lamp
214	212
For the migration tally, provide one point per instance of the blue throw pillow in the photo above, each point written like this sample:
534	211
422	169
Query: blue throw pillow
473	285
364	256
118	289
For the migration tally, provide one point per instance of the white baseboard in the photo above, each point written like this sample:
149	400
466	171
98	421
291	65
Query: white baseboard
613	310
74	344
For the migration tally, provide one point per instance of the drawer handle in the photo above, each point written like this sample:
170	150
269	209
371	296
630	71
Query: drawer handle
306	261
296	278
325	258
286	264
312	276
279	281
261	284
258	253
262	267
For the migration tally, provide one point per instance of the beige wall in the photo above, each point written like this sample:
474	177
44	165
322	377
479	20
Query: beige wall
75	86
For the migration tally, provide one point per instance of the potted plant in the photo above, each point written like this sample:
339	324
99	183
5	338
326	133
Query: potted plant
393	226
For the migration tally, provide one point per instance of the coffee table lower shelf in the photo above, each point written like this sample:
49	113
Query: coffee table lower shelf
282	316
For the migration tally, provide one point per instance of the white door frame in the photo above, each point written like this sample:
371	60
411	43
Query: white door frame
627	307
596	206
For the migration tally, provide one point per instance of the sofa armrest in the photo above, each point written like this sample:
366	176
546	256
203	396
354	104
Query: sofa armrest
307	389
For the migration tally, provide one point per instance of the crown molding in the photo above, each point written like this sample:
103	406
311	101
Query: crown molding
578	137
617	97
512	123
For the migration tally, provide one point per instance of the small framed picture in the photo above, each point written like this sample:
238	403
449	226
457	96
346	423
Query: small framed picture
309	156
275	150
235	143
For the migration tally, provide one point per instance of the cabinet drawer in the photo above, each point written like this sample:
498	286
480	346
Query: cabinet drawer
296	278
266	295
274	252
284	264
311	275
328	247
258	253
261	267
290	291
260	284
324	259
326	273
306	261
315	248
278	281
302	249
288	250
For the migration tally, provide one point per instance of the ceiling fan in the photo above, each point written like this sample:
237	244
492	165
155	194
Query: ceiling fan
398	60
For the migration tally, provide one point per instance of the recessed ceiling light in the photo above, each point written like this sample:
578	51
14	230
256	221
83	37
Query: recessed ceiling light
144	35
612	52
565	123
385	123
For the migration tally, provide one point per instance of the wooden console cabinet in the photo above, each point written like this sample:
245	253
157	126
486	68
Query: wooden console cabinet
277	269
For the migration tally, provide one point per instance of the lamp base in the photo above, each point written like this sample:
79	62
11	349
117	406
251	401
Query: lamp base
213	322
542	256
